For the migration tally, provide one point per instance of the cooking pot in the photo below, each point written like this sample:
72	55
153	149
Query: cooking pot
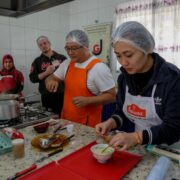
9	109
10	106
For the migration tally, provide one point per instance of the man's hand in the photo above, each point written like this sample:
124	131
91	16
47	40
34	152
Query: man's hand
50	69
80	101
52	83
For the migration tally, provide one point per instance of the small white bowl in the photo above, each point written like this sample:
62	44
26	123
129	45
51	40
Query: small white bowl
102	157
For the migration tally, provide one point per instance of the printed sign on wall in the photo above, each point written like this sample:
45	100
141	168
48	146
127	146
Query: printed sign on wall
99	37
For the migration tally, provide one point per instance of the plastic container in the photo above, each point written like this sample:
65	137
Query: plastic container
5	143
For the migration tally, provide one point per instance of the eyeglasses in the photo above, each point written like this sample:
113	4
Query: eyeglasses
72	49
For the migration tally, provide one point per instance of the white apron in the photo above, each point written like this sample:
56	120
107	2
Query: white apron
141	111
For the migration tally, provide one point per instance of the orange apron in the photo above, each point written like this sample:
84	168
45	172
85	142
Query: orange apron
76	85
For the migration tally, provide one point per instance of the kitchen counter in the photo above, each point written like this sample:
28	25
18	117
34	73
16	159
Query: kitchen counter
83	136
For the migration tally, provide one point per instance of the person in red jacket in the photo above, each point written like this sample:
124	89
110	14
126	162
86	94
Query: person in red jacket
11	80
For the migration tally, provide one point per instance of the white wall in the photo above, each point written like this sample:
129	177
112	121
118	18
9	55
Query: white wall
18	35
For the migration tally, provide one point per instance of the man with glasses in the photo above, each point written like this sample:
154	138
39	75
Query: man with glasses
88	82
41	68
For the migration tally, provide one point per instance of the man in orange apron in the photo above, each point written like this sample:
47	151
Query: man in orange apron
88	82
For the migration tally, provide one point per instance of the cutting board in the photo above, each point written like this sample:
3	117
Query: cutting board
51	171
82	165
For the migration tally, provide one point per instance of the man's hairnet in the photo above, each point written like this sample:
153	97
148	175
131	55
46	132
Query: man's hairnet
135	34
78	36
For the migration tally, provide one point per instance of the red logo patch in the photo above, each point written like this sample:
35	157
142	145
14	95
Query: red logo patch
44	66
134	110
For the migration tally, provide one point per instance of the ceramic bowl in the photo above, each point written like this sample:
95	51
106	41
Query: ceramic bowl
102	157
41	128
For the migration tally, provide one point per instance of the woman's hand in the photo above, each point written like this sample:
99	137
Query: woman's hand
104	127
124	140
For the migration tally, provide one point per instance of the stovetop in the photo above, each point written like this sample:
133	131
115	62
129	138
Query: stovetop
29	115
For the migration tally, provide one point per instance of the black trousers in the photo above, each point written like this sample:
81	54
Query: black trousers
53	102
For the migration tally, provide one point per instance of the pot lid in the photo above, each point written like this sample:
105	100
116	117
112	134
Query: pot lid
8	96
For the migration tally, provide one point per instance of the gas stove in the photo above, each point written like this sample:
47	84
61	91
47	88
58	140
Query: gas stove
29	115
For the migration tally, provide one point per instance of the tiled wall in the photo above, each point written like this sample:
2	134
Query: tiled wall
18	35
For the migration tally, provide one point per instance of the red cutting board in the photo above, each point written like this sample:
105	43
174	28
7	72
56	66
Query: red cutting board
81	165
52	171
84	164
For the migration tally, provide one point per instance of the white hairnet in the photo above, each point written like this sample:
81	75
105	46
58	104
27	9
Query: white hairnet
135	34
79	37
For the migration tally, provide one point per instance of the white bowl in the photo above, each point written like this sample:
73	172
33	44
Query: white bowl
102	157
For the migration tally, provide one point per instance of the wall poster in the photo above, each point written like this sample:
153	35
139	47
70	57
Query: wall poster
99	37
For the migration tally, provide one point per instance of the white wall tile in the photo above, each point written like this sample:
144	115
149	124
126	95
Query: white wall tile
74	7
93	15
106	14
17	21
55	21
89	5
4	20
44	20
43	33
30	38
74	22
64	23
31	20
17	37
4	36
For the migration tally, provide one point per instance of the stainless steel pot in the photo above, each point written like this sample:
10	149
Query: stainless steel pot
10	106
9	109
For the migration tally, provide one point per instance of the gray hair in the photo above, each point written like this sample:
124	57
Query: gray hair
135	34
78	36
42	37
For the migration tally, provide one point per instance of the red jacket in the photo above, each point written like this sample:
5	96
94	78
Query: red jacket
11	81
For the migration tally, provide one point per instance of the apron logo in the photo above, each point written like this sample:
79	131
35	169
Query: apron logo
157	101
134	110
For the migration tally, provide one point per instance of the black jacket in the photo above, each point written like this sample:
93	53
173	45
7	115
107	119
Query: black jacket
39	65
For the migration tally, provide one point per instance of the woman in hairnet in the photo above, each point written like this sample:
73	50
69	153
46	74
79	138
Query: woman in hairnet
88	82
148	98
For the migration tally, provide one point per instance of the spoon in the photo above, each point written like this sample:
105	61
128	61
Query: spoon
105	149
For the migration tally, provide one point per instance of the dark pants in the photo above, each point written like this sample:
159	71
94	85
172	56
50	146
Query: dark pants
53	102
